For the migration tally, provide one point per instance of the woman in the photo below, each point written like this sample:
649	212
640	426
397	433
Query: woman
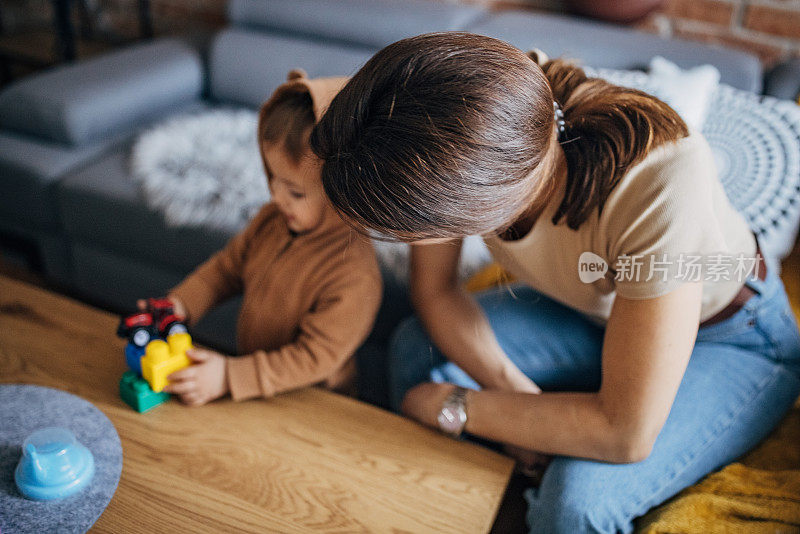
641	349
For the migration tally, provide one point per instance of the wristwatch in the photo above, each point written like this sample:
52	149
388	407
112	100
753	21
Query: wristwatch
453	416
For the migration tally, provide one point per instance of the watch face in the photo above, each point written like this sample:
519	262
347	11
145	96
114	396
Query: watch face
452	419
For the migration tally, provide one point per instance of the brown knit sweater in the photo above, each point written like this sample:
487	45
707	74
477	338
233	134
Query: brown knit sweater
309	301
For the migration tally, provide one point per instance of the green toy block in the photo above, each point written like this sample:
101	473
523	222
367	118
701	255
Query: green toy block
136	393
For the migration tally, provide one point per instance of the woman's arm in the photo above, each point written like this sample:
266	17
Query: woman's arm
456	323
645	353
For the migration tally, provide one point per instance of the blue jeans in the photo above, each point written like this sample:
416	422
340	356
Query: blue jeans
742	377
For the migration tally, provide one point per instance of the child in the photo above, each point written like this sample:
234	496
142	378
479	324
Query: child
311	285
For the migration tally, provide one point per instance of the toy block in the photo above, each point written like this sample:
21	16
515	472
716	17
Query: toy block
137	393
179	343
133	357
161	359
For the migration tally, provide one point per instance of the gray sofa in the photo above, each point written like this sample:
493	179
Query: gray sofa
65	134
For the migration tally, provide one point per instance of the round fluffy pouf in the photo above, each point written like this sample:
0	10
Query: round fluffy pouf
25	409
202	169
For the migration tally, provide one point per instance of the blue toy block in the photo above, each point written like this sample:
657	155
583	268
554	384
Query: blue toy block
133	357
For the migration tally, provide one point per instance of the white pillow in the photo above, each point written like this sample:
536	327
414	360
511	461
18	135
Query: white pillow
687	91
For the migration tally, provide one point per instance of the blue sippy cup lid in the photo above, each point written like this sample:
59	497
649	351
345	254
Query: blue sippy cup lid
53	465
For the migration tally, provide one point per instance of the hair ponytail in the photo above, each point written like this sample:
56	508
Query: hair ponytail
607	130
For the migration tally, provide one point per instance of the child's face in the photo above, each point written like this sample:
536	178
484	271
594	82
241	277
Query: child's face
296	189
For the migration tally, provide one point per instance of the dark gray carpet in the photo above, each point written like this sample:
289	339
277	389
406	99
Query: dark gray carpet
24	409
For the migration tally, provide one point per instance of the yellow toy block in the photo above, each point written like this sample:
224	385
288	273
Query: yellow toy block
161	359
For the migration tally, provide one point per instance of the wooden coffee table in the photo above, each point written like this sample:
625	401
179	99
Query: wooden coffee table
306	461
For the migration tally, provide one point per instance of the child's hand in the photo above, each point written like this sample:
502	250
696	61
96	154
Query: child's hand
203	382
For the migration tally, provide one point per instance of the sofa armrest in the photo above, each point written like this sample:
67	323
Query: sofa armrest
90	100
783	81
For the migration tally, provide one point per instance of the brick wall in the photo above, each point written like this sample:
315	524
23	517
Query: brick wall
769	28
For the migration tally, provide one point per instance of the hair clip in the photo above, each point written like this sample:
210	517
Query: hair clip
559	118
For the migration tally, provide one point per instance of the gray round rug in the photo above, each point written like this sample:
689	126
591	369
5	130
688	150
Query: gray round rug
25	409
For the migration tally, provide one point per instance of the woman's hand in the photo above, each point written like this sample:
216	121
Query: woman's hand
424	402
202	382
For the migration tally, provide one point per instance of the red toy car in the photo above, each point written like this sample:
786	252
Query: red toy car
159	320
164	317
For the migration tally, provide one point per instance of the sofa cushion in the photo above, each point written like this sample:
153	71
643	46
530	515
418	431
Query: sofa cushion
375	23
29	168
100	204
607	46
89	100
246	66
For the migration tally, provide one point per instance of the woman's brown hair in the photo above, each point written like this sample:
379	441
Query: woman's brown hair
451	134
